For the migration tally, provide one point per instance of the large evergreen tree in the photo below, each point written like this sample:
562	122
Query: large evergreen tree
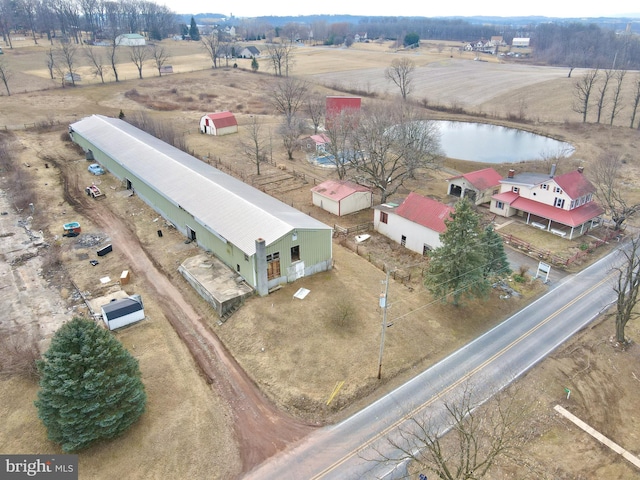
194	33
90	386
496	261
457	268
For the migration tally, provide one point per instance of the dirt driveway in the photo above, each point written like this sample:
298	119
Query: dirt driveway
252	412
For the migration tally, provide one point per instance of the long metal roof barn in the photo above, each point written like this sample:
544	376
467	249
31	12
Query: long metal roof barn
229	208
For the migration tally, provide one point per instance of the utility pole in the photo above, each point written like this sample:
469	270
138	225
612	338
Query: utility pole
383	305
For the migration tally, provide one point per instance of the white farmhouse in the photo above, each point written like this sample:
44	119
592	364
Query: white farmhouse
563	205
415	224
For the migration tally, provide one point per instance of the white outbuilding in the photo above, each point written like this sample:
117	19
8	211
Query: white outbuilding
122	312
130	40
341	197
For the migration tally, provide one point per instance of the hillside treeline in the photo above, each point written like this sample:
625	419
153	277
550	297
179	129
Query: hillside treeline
573	44
585	46
69	19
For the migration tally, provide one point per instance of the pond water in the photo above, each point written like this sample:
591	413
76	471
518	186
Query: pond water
481	142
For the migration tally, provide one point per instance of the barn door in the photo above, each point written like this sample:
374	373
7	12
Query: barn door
273	266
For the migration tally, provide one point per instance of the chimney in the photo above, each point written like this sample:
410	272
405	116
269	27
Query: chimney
553	171
511	173
580	169
262	282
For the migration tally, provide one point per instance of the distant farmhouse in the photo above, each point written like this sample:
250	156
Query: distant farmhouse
264	241
130	40
415	224
563	205
249	52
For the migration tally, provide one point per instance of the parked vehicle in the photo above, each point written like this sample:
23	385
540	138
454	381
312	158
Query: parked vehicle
96	169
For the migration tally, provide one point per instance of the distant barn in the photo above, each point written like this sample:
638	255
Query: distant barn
337	105
220	123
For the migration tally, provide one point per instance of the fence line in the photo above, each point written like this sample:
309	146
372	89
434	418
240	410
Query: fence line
557	259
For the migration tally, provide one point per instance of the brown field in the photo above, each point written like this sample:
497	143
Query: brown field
295	351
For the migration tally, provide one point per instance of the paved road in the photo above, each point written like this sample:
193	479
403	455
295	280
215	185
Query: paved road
344	451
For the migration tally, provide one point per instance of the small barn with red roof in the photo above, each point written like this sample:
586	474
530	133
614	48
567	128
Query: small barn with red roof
477	187
342	197
219	123
416	223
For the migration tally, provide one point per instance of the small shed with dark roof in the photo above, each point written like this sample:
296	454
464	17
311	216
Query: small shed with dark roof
122	312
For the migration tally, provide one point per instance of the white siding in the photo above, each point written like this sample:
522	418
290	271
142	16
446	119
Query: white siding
416	235
124	320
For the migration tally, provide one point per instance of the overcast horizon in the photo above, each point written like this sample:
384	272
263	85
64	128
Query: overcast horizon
500	8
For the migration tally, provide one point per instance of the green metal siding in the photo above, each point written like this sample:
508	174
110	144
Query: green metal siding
315	245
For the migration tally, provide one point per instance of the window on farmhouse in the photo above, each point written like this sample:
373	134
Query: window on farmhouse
383	217
559	202
499	205
515	189
295	253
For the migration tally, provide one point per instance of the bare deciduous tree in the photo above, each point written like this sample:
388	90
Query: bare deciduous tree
290	130
97	62
211	43
401	72
138	55
160	56
51	63
281	57
315	108
340	131
254	145
165	131
389	144
627	287
65	63
289	95
602	89
606	178
636	103
618	105
582	90
113	54
469	441
5	75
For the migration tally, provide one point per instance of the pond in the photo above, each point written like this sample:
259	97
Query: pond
481	142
